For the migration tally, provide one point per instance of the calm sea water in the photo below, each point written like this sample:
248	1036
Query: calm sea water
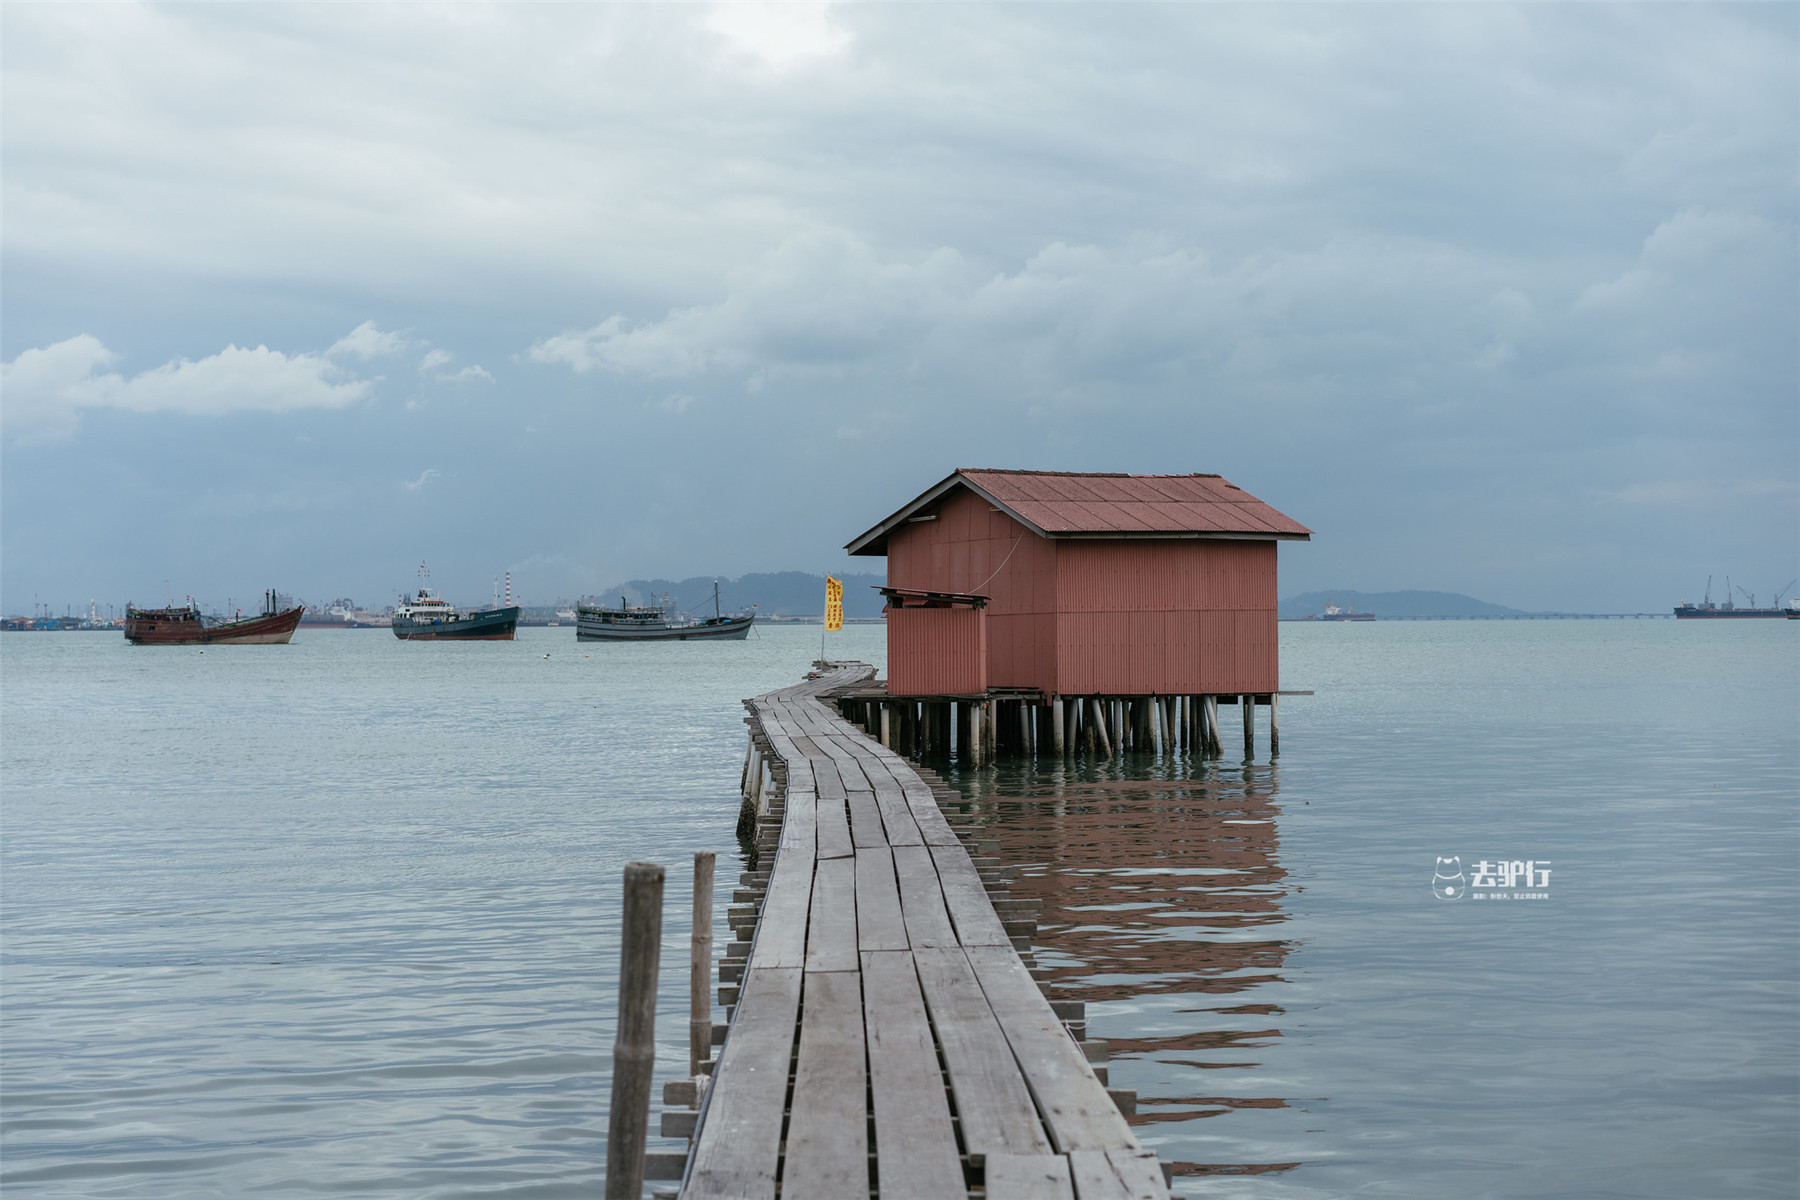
340	917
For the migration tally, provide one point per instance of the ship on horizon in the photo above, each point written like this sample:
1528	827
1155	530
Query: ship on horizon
1707	610
1334	612
428	617
653	623
185	626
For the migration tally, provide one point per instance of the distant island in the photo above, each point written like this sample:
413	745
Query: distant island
1394	604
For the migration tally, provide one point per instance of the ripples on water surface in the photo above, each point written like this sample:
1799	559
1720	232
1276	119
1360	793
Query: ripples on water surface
340	917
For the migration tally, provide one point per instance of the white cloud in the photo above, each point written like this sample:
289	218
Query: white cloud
367	341
43	391
425	477
434	359
778	35
469	374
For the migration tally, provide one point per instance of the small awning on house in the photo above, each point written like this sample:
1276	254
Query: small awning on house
910	598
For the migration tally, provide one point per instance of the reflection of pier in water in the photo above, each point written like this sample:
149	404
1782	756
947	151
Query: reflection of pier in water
1156	887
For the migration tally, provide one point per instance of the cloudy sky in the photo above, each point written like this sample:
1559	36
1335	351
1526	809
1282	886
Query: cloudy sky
1500	300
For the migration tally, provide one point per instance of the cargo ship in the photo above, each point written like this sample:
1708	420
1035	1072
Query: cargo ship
428	617
186	627
652	623
1334	613
1707	610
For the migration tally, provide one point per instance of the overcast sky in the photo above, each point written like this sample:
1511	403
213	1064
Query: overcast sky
1498	300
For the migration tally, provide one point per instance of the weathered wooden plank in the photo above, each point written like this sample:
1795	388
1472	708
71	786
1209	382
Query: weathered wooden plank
800	822
1117	1175
781	929
971	912
828	1138
1076	1108
932	827
916	1144
833	818
739	1141
997	1112
879	923
1028	1177
865	820
922	898
831	925
896	814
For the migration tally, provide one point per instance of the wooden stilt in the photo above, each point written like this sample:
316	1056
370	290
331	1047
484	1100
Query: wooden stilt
1057	724
700	966
887	725
1215	745
1249	706
634	1045
1100	720
1274	725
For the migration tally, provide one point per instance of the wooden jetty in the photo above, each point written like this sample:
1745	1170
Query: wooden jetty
888	1035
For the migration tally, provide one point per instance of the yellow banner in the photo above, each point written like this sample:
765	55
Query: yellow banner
834	605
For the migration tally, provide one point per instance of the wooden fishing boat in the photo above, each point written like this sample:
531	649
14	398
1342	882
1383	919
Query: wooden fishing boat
186	627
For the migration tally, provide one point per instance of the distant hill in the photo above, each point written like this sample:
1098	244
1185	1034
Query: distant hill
1395	604
781	594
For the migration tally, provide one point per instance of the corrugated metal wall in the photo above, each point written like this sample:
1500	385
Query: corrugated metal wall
1081	617
1169	617
964	551
937	651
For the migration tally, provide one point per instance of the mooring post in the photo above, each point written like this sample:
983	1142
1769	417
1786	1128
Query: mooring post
634	1047
700	967
1249	706
1274	724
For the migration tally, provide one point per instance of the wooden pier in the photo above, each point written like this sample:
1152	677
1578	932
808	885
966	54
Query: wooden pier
887	1037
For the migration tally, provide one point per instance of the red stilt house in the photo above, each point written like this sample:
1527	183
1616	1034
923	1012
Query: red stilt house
1071	584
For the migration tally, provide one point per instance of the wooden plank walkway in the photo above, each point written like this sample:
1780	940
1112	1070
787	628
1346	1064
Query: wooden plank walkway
887	1039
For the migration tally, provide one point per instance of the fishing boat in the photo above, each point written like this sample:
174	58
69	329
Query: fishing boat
428	617
654	623
186	626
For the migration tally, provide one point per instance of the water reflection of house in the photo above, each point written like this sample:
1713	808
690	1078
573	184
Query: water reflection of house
1151	889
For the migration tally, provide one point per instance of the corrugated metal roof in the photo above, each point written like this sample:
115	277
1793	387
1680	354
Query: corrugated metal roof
1061	504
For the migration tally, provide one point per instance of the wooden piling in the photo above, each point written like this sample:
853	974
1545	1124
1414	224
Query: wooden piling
1249	706
700	965
634	1046
1215	745
1057	744
1274	724
1100	723
887	725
